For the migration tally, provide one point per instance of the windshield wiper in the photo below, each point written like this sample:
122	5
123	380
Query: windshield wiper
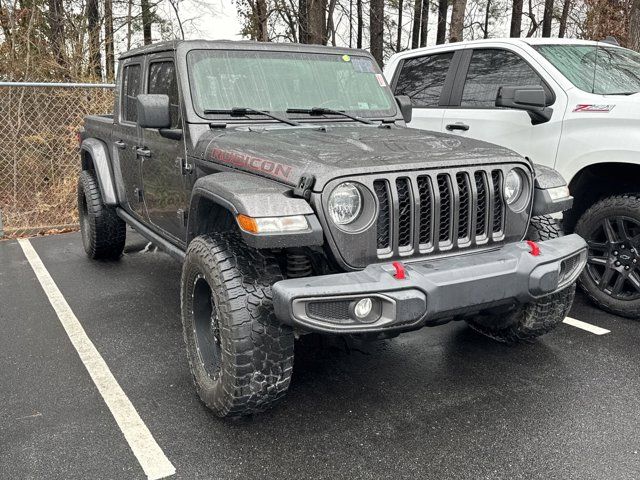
330	111
244	111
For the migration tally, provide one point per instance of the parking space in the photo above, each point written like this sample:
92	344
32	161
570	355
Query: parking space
438	403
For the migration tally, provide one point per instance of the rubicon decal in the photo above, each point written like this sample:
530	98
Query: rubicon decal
587	107
252	163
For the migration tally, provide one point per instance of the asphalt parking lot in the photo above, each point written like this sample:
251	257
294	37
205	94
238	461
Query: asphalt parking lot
439	403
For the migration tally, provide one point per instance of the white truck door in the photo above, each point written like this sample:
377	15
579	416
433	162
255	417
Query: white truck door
422	79
472	111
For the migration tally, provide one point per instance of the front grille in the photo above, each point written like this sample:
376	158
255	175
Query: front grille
439	211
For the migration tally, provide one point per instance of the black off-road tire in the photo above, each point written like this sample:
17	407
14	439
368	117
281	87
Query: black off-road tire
544	228
617	206
240	355
534	319
103	232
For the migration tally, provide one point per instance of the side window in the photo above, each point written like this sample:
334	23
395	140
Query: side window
162	79
130	91
422	79
491	69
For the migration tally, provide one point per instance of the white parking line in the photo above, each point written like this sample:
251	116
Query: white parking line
149	454
586	326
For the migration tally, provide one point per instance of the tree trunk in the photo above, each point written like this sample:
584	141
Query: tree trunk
56	30
516	18
146	21
486	19
316	11
457	20
376	29
303	22
547	17
634	26
261	13
360	24
443	6
108	40
566	7
129	25
415	31
399	38
424	23
93	24
330	30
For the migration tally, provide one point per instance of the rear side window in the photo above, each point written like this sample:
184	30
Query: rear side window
491	69
422	79
162	80
130	91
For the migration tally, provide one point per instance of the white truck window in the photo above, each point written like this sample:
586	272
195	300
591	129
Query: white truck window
422	79
595	69
493	68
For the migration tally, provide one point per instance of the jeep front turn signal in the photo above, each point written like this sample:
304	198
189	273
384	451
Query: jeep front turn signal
293	223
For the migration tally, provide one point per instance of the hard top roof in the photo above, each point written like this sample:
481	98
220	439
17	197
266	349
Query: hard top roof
238	45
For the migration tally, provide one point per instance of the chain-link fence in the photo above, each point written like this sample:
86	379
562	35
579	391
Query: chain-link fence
39	159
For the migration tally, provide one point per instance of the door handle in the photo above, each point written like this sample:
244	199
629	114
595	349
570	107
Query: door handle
143	152
120	144
457	126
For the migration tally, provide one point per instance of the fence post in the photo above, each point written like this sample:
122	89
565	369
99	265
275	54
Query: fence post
1	229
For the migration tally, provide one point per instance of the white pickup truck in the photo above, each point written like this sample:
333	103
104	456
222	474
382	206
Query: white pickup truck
569	104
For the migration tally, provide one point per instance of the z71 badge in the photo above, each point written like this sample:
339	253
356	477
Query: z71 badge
585	107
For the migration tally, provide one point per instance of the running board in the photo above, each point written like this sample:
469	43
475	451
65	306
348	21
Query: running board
152	236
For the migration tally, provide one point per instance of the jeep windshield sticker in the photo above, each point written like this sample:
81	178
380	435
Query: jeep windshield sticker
586	107
253	163
380	79
346	58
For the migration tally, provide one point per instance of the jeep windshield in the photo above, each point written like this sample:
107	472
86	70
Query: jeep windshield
596	69
277	81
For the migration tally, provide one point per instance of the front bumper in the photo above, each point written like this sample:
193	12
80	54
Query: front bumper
433	290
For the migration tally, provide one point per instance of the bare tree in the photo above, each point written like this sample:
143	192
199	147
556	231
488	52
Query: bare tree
634	26
486	20
424	22
147	19
564	17
443	6
376	29
360	24
457	20
93	25
547	17
415	30
56	30
108	40
399	37
516	18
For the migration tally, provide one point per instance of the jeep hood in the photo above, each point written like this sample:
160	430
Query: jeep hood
287	153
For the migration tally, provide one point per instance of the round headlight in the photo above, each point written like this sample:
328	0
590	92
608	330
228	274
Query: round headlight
345	203
513	185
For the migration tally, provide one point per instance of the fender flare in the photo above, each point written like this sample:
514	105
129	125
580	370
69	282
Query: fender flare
99	153
241	193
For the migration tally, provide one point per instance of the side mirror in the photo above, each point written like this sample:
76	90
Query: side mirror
531	99
153	111
404	102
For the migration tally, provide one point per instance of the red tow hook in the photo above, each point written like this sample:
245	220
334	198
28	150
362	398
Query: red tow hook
535	248
400	274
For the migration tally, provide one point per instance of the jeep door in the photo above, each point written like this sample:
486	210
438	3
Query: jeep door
126	137
472	111
165	192
423	79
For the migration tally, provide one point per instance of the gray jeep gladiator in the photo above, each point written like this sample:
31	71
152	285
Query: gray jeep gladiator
285	180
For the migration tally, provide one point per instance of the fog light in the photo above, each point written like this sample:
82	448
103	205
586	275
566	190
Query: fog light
363	308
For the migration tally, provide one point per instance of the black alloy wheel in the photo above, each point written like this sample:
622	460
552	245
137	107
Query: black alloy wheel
614	257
